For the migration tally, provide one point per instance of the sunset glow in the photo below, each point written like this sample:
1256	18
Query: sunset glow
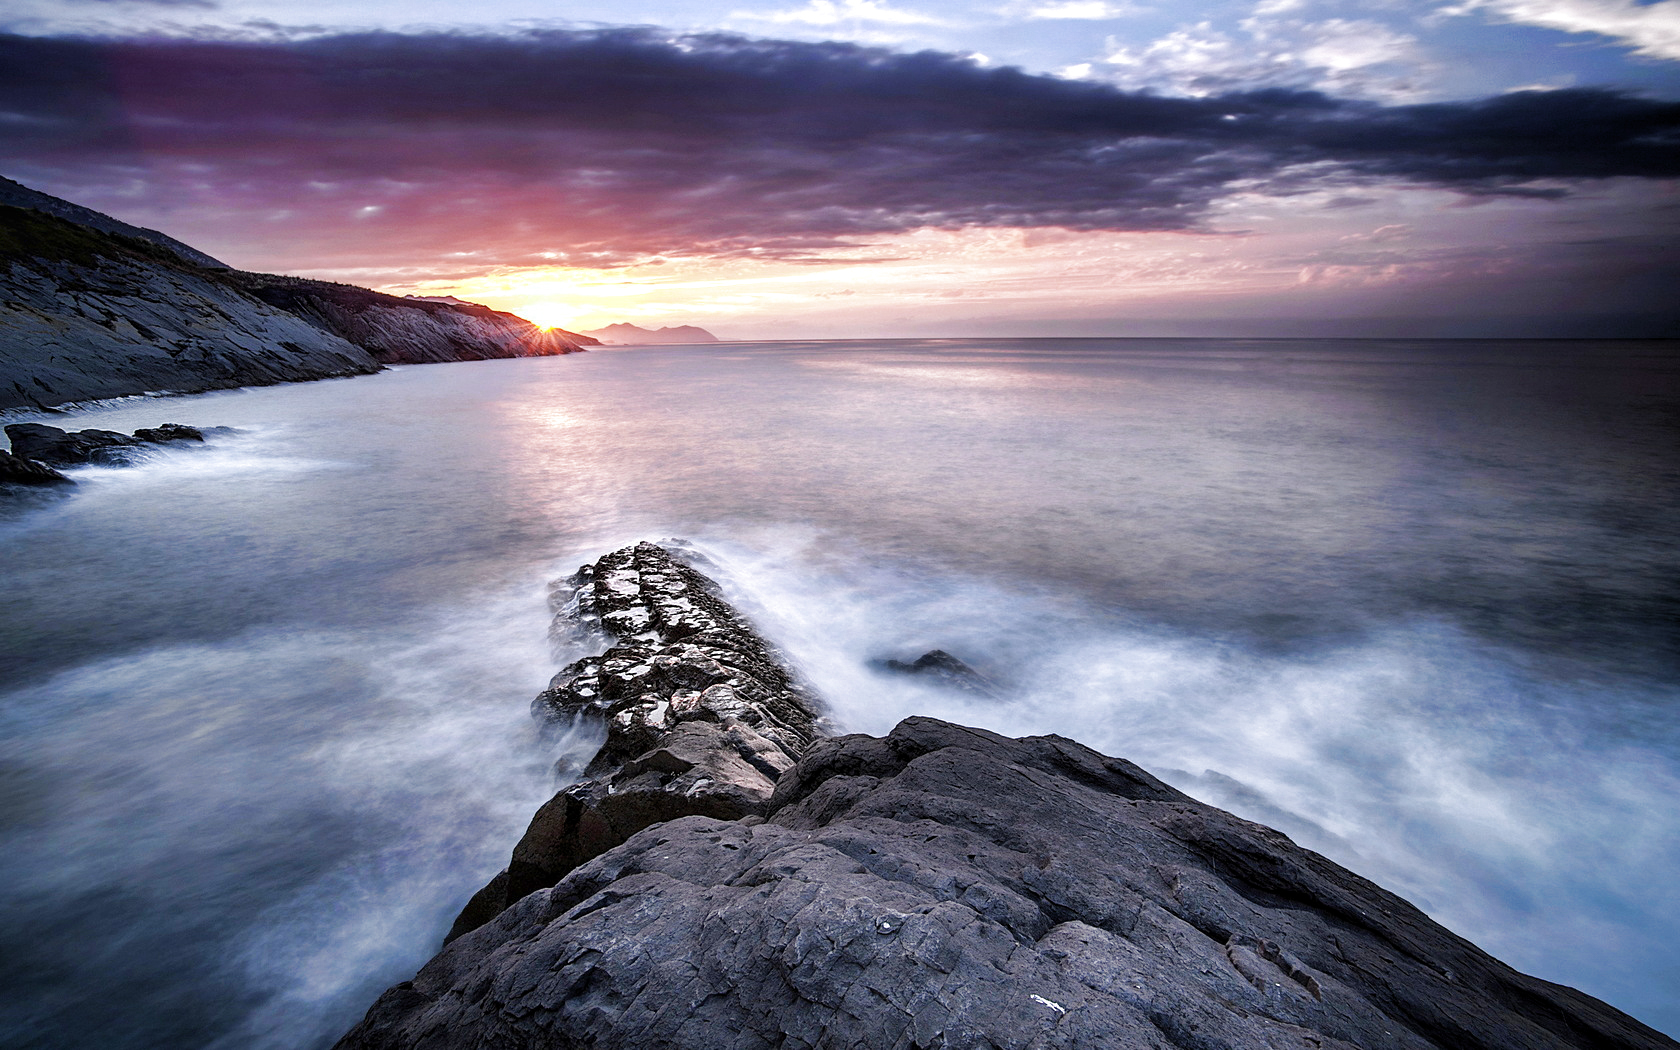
1274	169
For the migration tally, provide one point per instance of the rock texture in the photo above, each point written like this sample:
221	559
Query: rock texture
61	448
91	307
701	714
86	314
940	887
16	470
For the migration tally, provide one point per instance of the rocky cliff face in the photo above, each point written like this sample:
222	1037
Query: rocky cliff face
91	307
938	887
400	330
85	314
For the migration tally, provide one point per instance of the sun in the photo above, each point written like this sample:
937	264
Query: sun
546	315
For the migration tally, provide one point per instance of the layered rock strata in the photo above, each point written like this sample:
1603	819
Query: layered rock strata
938	887
702	715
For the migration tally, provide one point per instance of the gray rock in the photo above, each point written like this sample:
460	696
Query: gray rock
947	887
16	470
166	432
702	716
937	665
61	448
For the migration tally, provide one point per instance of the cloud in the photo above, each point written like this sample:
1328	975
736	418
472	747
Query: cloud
1342	56
1080	10
830	13
593	148
1651	29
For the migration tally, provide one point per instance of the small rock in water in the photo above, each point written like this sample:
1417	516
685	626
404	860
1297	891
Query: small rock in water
941	666
169	432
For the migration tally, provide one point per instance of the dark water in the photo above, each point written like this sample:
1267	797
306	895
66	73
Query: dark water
263	708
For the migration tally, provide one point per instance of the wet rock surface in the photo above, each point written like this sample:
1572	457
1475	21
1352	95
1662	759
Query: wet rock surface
55	447
701	715
15	470
938	887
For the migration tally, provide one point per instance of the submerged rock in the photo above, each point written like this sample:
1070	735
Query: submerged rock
733	881
702	716
16	470
940	666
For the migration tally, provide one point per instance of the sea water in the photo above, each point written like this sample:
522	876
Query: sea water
263	709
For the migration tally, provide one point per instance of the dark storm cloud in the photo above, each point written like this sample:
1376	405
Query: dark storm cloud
630	140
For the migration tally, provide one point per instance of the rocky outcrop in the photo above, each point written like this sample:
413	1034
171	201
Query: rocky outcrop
94	308
16	470
702	715
61	448
948	887
626	334
938	887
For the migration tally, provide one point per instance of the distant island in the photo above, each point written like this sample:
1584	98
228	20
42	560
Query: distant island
626	334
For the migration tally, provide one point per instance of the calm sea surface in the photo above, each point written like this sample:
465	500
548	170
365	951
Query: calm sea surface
263	703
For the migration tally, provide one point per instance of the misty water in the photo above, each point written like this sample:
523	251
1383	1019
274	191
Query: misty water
263	714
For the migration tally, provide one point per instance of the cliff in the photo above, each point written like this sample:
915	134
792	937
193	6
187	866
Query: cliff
938	887
91	307
86	314
626	334
401	330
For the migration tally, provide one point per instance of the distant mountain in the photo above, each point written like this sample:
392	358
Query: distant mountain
450	299
91	307
625	334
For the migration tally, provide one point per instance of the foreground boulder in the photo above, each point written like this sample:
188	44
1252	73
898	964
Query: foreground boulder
701	714
938	887
948	887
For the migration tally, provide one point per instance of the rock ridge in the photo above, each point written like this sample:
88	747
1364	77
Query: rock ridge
701	716
939	887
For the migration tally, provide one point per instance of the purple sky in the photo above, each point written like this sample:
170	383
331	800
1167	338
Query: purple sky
1336	184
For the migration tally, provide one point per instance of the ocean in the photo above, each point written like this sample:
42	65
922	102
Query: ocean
263	703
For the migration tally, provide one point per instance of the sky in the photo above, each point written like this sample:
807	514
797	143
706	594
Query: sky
872	168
